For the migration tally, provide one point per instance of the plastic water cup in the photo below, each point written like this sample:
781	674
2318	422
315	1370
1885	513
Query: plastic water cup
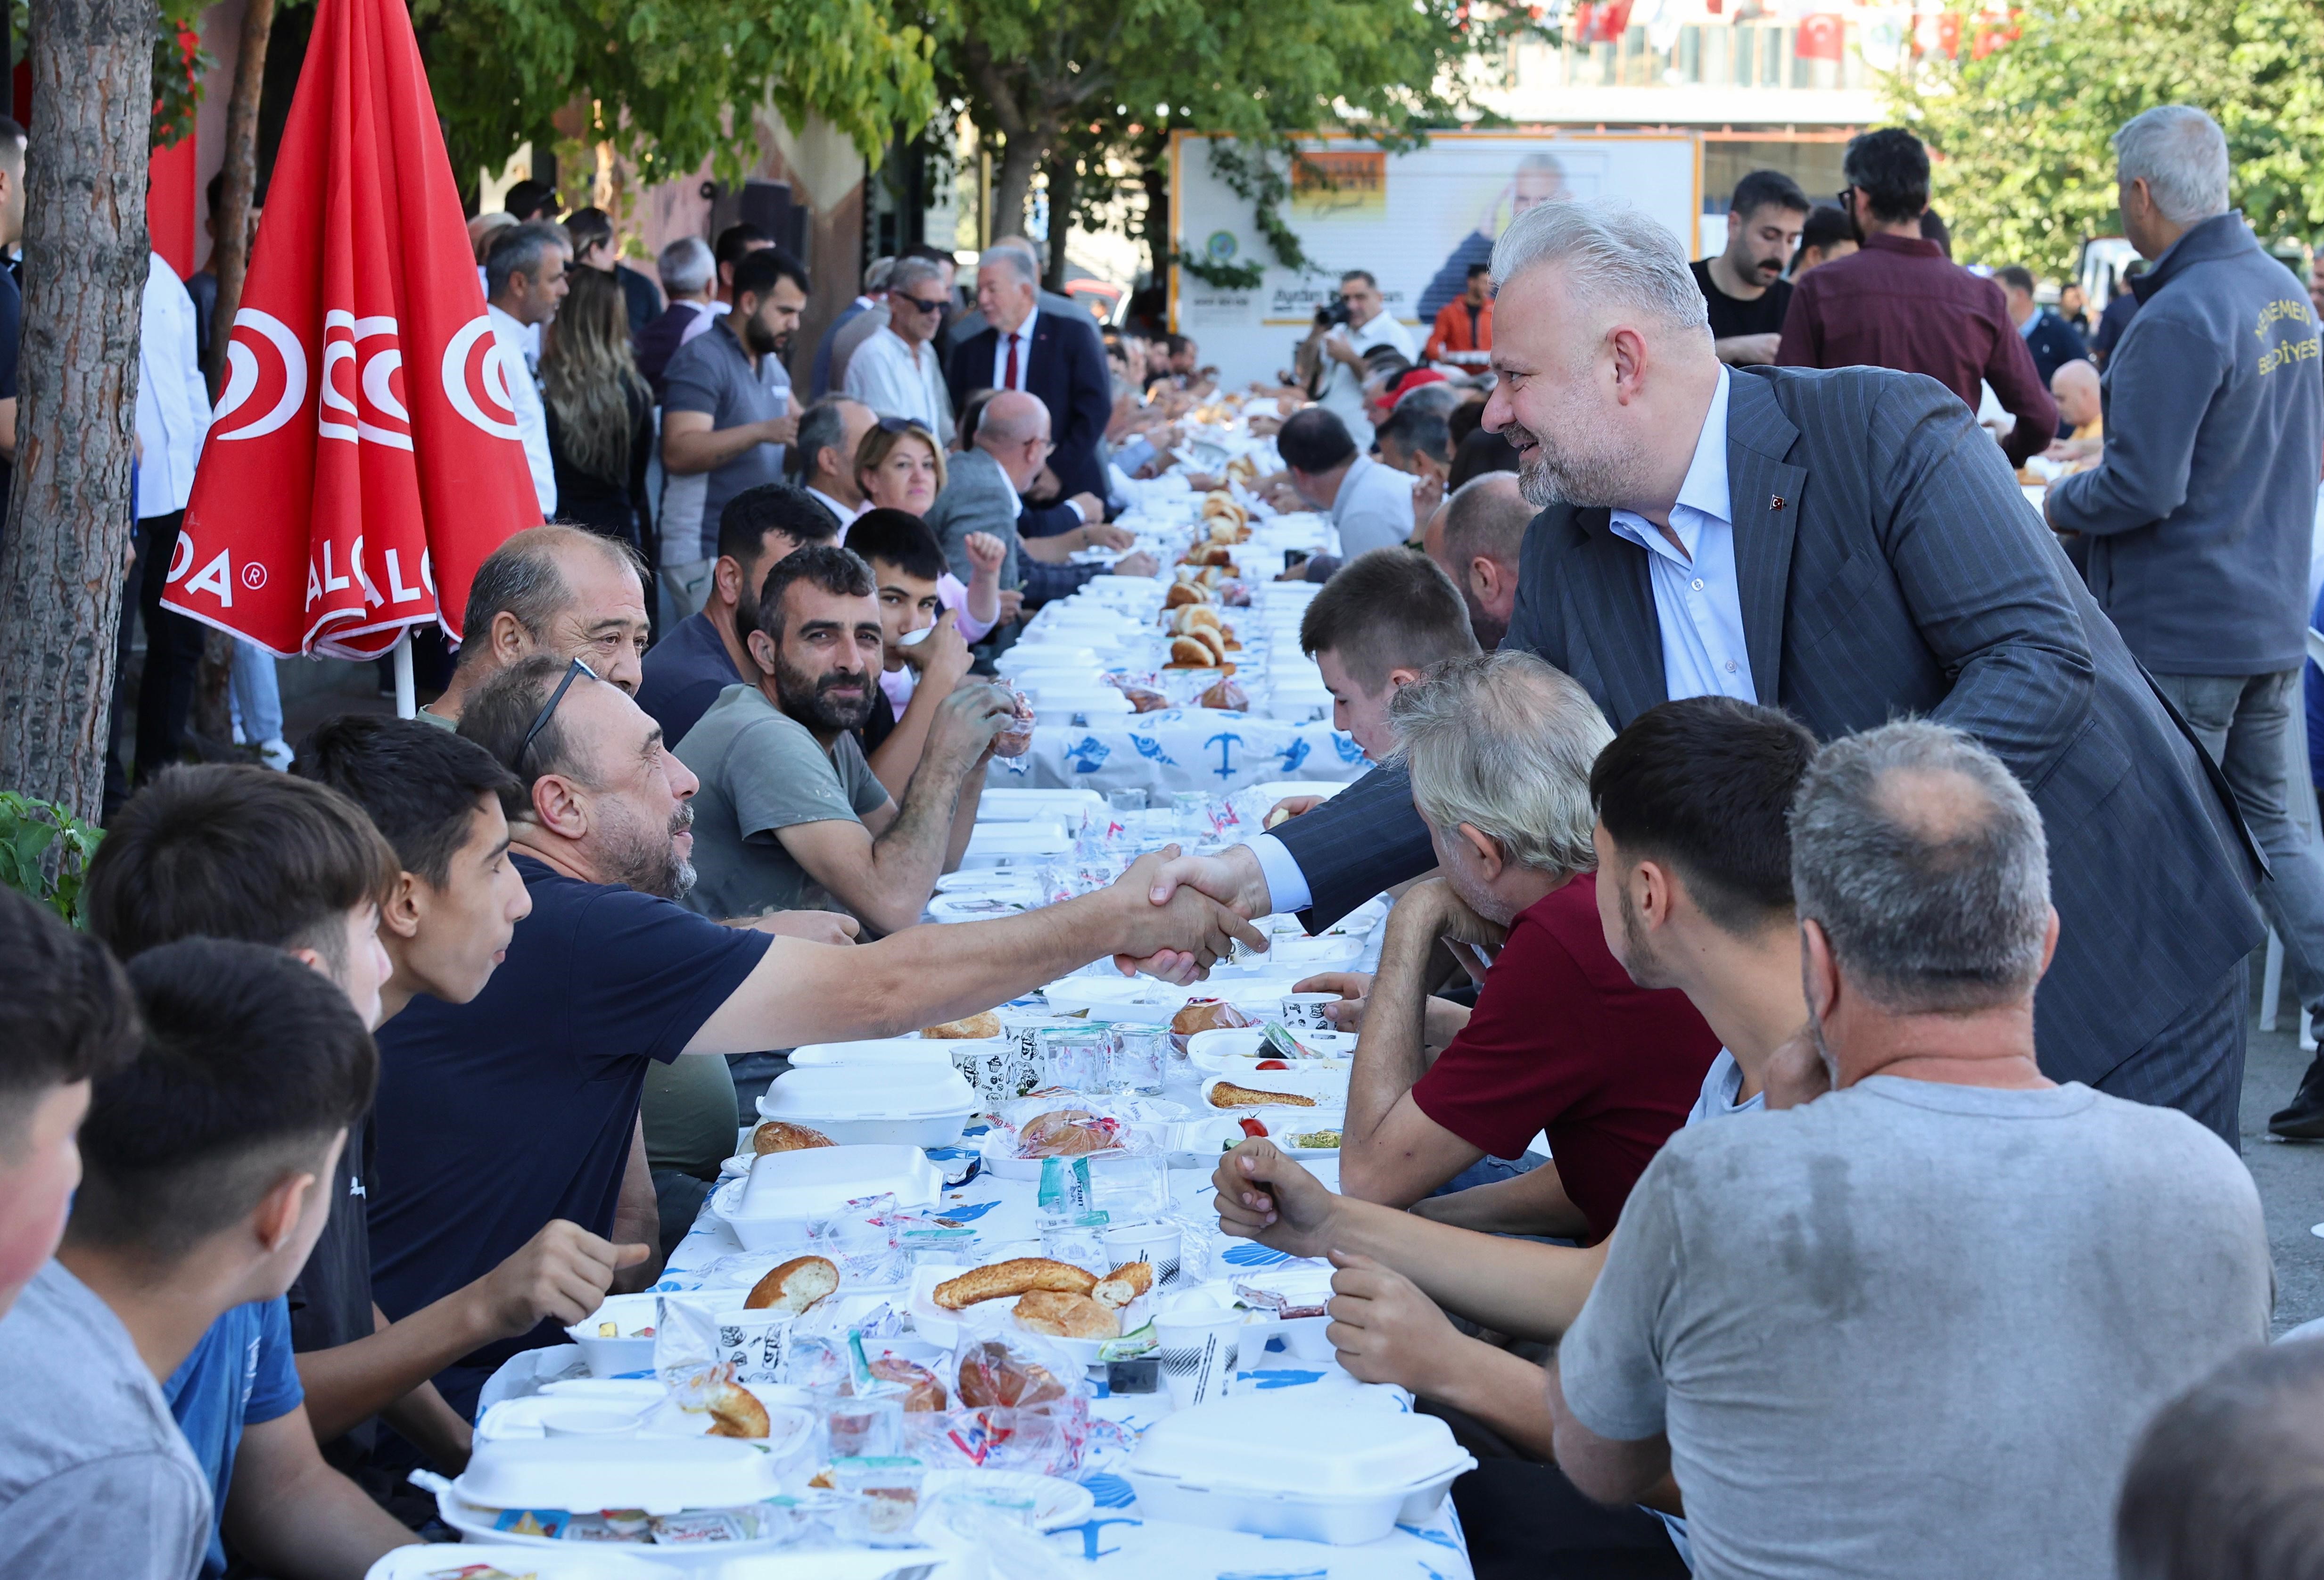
1198	1346
1140	1056
1075	1058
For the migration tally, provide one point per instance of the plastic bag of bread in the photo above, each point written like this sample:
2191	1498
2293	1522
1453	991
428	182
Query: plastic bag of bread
1065	1132
1208	1015
1226	694
687	1358
1019	1403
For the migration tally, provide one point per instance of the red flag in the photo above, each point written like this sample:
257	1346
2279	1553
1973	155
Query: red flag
363	458
1820	37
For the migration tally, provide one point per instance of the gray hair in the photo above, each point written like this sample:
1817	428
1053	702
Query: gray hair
523	578
1924	860
2182	154
519	249
910	271
821	426
686	266
1613	256
1486	515
1019	264
877	276
1503	742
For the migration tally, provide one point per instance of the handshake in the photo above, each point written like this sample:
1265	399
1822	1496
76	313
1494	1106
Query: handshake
1232	878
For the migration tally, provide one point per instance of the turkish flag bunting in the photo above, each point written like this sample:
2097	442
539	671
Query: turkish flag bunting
363	458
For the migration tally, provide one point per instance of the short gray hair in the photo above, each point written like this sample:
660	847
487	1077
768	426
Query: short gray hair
523	578
877	276
821	426
1612	254
2182	154
910	271
1504	743
1924	860
519	250
1019	264
687	264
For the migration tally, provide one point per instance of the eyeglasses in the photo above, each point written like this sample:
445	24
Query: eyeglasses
937	306
573	672
1844	192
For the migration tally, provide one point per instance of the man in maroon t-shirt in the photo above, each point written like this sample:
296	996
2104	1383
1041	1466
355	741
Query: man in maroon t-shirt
1562	1040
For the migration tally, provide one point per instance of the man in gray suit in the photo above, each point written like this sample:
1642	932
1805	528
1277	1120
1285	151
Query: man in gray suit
984	492
1849	546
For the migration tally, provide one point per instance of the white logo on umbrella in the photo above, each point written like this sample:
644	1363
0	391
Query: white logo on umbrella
343	332
490	377
243	374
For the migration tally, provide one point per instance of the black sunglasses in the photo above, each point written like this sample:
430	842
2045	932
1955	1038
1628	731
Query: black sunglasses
573	672
937	306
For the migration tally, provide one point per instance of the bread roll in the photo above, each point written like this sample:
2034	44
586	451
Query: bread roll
1210	637
1069	1133
779	1135
1208	1015
1063	1316
1189	652
1124	1284
990	1376
1227	695
793	1287
984	1023
1020	1276
1144	699
1227	1095
1184	593
735	1412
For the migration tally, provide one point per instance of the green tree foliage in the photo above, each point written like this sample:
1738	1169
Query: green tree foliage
668	81
1099	77
2021	122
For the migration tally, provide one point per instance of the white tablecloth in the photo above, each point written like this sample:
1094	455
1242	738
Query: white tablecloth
1180	749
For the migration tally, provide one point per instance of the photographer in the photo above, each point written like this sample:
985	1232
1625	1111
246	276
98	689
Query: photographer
1330	360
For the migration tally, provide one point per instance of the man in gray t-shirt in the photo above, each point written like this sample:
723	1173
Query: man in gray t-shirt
94	1477
1914	1327
788	815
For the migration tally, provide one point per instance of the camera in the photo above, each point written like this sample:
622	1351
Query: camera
1334	311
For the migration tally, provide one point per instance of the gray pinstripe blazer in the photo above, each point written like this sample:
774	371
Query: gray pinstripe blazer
1890	566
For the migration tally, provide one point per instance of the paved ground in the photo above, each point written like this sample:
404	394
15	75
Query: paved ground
2291	1174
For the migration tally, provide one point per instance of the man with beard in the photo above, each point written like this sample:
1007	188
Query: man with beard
1846	546
791	816
1744	286
726	415
521	1107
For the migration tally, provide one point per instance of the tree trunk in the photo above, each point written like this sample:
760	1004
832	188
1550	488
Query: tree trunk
1013	183
231	251
64	563
1065	184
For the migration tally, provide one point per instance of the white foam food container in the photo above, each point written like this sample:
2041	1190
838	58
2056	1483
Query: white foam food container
771	1206
578	1563
993	845
922	1105
1332	1473
1329	1090
873	1050
660	1476
1236	1047
625	1355
1018	806
789	1422
1149	1000
1077	696
1042	655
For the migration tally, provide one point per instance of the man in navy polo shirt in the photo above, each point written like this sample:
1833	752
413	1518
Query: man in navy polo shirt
498	1115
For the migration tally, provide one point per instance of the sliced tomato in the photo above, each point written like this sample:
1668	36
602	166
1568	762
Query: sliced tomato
1251	1127
1271	1064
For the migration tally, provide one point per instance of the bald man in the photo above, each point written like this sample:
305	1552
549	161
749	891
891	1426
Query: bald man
984	488
553	590
2081	427
1475	538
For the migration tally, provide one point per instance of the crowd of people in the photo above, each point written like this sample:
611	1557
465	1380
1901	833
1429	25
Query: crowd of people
1744	748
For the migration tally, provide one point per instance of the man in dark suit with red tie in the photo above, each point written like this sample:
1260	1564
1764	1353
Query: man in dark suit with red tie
1057	361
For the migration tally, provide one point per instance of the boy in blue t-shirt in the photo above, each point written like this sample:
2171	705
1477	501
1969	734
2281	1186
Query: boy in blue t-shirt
239	1375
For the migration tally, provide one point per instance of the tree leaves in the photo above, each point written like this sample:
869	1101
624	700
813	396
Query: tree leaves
2026	173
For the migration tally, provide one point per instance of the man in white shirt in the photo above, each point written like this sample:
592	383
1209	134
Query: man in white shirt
524	279
1368	324
897	373
1370	504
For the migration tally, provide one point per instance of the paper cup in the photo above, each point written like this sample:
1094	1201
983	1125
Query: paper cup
1197	1349
583	1422
1304	1011
752	1342
1155	1244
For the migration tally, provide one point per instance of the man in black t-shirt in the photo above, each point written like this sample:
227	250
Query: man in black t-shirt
498	1115
1745	285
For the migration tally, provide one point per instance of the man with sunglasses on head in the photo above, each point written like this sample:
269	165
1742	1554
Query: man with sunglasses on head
897	373
526	1097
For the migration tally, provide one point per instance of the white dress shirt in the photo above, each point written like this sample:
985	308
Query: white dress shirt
524	397
1343	388
173	403
1024	352
1373	509
1698	605
898	379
